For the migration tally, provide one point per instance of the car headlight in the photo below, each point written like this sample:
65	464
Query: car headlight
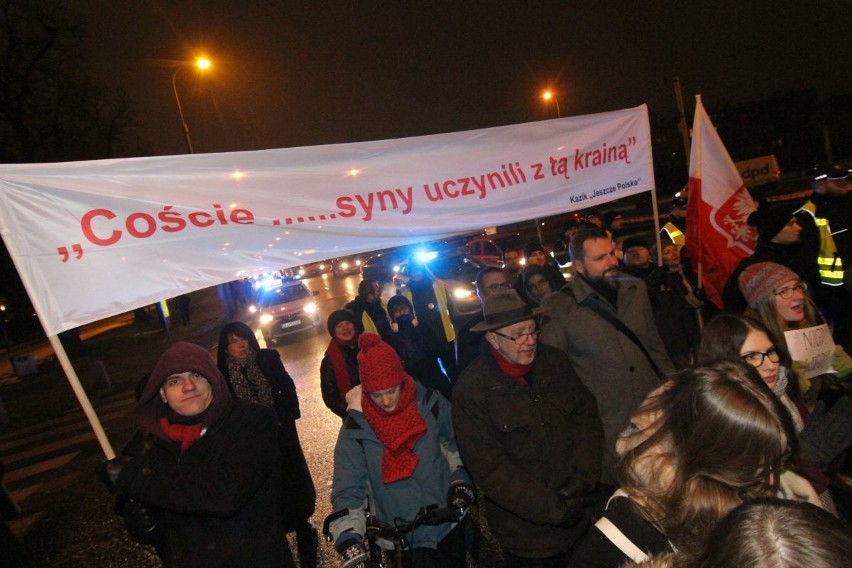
311	308
462	293
265	318
344	265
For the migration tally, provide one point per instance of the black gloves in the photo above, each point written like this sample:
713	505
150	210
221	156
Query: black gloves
109	471
140	522
575	497
461	494
354	555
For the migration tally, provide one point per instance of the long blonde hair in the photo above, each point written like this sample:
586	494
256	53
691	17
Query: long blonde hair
765	310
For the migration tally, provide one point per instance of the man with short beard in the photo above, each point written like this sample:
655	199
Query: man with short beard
592	319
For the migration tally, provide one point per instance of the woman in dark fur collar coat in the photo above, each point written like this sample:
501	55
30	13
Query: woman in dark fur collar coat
258	375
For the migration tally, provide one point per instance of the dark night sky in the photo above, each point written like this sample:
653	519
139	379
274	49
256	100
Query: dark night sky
304	73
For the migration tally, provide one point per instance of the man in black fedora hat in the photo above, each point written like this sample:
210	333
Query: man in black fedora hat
529	433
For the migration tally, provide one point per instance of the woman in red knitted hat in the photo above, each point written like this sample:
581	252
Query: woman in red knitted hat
395	454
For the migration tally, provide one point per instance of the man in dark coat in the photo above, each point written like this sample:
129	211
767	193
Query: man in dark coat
213	477
778	241
370	315
529	433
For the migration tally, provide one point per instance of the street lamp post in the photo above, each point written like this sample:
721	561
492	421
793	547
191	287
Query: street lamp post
201	63
548	96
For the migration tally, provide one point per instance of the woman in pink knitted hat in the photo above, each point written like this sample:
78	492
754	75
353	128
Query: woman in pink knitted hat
395	454
779	299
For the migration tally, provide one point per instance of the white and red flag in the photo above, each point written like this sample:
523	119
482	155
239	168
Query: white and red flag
717	235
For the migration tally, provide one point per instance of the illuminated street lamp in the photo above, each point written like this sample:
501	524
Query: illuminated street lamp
202	64
547	96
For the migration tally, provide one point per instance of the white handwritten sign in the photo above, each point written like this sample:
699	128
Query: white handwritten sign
814	345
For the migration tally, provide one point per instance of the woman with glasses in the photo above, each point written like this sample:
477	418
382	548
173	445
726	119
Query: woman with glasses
779	299
822	435
704	442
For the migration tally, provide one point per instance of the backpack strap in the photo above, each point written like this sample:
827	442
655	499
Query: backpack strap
619	325
620	541
618	538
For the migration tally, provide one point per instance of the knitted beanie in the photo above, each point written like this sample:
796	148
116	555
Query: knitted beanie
763	278
338	316
531	247
378	364
396	301
631	242
182	357
770	219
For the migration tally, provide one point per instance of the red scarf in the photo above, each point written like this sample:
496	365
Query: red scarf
186	434
514	370
339	366
398	432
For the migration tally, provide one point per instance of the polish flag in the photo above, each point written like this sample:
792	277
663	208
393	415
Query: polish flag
717	235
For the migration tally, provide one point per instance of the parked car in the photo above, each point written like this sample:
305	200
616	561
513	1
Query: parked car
284	306
314	269
456	271
485	250
346	265
383	265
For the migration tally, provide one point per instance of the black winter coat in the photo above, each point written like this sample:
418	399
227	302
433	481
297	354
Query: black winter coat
218	501
521	442
331	395
299	492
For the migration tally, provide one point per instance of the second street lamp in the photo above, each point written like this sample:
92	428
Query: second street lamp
202	63
547	96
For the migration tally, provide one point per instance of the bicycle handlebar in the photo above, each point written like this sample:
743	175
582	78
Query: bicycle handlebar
429	515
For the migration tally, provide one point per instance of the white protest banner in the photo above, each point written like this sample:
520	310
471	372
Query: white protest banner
94	239
814	345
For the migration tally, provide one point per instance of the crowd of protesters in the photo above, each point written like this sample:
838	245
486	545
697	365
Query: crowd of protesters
612	416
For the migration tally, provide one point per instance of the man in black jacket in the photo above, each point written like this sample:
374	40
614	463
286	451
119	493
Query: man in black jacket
212	480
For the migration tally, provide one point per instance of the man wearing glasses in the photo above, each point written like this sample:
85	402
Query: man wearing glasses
489	280
529	433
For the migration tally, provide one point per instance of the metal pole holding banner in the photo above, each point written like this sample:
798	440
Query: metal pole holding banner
684	129
656	212
82	398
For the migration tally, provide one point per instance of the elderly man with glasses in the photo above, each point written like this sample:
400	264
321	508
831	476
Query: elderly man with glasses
529	433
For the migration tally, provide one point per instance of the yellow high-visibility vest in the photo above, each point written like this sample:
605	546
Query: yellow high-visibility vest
441	298
368	323
828	259
675	235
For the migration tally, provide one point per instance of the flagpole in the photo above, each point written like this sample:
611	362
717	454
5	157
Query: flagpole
684	131
656	211
71	375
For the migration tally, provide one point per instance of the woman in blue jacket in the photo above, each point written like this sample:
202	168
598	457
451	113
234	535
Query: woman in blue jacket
395	454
